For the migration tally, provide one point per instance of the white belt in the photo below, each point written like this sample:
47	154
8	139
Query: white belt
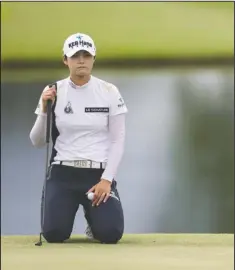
82	164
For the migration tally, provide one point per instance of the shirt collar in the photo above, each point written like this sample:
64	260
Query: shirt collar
73	85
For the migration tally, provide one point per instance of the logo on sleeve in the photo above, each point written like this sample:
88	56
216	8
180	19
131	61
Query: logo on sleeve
68	109
96	109
121	103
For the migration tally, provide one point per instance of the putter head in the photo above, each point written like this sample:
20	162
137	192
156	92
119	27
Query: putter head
38	243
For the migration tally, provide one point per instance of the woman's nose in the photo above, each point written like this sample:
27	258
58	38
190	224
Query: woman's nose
80	58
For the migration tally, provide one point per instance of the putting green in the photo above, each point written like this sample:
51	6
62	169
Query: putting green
121	30
150	251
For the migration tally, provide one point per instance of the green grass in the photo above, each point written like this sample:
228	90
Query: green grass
138	252
126	30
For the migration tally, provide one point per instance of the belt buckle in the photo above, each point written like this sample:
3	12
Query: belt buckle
80	163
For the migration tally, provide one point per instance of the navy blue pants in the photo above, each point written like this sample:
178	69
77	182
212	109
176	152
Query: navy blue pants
66	189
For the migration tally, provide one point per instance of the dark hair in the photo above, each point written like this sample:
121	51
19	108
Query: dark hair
65	57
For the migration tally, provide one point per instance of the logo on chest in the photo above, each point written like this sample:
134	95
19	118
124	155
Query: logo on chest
68	109
96	109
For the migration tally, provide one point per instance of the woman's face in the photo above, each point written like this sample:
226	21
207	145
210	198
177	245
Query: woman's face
80	64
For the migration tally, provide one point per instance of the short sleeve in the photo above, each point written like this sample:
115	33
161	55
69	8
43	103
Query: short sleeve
117	103
38	110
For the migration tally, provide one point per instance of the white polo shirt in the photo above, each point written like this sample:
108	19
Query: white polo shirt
82	119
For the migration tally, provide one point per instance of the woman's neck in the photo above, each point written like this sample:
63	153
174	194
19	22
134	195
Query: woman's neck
80	80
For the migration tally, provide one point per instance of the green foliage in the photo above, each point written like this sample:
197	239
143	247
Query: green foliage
37	30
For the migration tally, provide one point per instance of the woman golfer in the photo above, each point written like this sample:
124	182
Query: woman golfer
88	132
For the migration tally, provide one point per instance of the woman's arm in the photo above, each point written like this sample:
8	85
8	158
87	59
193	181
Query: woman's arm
117	139
38	132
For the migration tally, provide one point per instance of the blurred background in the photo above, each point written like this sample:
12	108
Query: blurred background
173	63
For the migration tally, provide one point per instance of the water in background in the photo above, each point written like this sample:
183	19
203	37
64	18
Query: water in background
177	170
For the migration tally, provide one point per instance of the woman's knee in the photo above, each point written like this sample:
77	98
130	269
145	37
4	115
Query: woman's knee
55	236
108	235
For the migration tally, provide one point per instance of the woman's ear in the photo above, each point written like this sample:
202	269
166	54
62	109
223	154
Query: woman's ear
65	60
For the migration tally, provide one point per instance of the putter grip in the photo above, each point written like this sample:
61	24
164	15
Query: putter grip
49	103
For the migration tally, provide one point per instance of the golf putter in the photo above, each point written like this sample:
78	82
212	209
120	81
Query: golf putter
48	129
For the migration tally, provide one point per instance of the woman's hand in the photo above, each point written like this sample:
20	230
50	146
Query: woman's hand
48	94
101	192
